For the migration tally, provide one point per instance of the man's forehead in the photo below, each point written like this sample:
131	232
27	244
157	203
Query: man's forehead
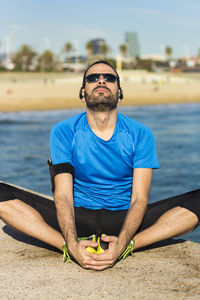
100	68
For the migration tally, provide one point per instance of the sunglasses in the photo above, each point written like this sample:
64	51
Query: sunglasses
95	77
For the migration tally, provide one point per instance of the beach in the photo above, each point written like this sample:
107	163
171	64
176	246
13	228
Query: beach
49	91
29	270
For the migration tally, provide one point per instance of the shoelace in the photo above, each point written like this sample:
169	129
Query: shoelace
128	251
66	254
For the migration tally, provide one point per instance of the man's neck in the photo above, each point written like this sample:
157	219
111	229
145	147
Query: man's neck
102	123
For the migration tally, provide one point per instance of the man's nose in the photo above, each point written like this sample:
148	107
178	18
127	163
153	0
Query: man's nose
101	80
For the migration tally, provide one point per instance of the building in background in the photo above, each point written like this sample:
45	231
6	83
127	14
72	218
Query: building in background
96	45
131	39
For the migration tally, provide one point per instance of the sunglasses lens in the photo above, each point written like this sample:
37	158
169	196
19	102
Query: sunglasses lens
95	77
109	77
92	78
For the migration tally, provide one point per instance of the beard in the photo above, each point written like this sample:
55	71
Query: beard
101	102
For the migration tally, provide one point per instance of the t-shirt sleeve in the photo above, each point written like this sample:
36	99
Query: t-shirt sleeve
61	144
145	155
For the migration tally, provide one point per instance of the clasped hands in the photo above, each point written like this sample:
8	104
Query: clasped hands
97	261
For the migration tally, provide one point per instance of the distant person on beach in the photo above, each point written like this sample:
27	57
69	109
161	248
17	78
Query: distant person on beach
101	171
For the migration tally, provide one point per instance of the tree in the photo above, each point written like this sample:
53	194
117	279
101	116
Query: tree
23	58
67	49
168	51
46	60
89	47
104	49
123	49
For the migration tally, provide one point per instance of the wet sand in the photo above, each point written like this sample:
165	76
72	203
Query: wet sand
60	91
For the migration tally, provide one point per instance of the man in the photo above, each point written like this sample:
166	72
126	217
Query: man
101	167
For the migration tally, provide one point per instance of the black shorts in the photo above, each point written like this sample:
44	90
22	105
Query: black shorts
89	221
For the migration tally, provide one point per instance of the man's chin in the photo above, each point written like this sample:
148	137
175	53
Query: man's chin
101	107
101	103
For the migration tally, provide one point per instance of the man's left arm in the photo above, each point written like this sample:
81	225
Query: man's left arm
139	200
140	192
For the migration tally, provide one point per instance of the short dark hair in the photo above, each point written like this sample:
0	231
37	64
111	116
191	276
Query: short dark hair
100	62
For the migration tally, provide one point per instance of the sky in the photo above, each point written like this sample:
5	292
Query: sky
44	24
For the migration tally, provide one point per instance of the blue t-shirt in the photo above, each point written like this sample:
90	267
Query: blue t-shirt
103	169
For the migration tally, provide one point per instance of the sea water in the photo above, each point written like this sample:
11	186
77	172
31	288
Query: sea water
24	148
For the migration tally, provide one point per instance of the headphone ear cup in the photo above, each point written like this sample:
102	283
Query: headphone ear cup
81	93
121	94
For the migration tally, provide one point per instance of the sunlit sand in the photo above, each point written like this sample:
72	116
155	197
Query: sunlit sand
47	91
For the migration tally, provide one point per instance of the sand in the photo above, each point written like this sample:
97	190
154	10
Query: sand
20	91
30	269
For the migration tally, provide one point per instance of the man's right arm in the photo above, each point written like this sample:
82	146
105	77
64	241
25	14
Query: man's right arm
63	197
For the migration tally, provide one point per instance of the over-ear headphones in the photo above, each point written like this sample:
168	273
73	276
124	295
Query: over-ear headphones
81	93
120	94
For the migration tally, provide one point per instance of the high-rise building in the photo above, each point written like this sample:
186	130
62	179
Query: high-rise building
97	45
131	39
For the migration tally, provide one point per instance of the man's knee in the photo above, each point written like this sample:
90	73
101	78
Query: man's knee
187	215
181	215
187	212
182	211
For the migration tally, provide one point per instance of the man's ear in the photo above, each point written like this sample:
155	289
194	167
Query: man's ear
82	94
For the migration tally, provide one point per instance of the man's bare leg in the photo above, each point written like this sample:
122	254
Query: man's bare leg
175	222
26	219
